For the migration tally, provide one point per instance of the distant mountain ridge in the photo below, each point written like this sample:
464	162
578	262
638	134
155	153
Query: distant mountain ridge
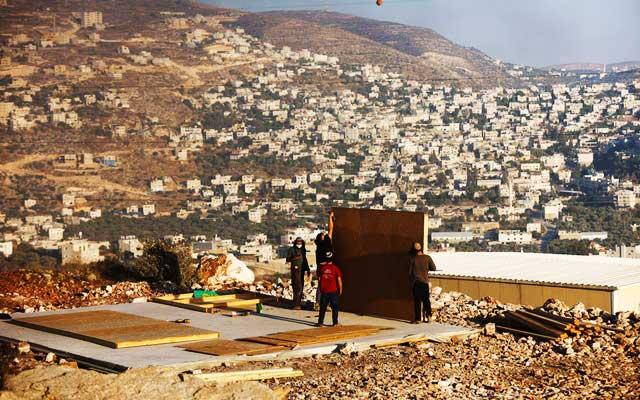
418	53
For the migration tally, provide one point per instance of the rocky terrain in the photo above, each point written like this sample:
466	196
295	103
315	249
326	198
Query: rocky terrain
64	382
29	291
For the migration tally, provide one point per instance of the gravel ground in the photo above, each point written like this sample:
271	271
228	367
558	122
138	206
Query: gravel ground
484	367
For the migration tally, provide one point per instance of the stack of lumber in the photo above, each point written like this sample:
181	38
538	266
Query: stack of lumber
542	325
250	375
210	304
305	337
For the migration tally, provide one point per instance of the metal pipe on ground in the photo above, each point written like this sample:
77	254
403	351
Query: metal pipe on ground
544	319
574	320
524	333
534	325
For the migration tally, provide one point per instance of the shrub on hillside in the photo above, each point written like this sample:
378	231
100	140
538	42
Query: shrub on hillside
162	261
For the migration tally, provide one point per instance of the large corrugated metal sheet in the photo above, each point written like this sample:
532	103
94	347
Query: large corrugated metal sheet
551	269
531	294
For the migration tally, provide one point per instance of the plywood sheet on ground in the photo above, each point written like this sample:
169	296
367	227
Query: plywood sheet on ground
223	347
115	329
372	249
318	335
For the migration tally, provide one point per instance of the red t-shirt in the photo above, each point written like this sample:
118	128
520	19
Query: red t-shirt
329	274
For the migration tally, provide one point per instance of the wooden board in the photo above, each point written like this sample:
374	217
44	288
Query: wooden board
371	248
270	341
259	374
305	337
209	304
334	330
115	329
223	347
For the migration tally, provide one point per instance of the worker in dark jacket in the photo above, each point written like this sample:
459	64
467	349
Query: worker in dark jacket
419	266
297	258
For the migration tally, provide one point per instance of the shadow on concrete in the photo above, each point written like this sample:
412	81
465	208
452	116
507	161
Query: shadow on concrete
286	319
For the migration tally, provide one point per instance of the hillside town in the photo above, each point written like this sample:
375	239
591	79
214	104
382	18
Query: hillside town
186	189
494	168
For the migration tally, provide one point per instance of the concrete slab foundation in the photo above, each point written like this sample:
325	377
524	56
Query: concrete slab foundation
272	320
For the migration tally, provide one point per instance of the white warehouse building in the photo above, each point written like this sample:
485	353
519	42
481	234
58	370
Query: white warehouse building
612	284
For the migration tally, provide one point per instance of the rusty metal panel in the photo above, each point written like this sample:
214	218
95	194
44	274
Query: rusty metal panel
372	249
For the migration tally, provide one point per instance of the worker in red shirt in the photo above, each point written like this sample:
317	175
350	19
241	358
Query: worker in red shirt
330	283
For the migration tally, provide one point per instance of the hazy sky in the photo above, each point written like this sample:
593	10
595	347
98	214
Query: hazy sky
533	32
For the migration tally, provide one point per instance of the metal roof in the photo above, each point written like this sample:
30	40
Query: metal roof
551	269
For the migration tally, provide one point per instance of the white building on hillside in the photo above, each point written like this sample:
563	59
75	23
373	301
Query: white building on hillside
262	252
625	199
56	233
453	237
80	252
514	236
91	18
306	234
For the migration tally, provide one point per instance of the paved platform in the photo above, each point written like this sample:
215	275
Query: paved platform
272	320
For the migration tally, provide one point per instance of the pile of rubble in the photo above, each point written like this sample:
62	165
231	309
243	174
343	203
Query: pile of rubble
459	309
581	329
477	368
282	288
29	291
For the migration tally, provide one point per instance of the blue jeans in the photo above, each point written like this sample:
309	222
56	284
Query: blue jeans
325	300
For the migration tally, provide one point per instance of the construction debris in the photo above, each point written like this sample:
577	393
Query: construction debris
546	326
282	288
